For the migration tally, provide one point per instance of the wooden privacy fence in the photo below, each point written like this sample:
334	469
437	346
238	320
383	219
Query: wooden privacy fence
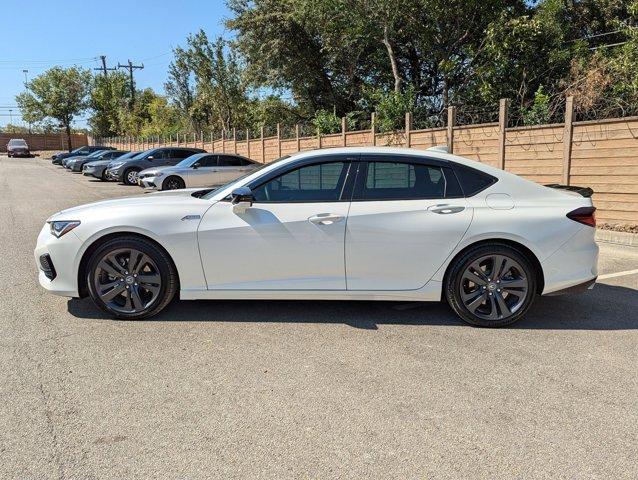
600	154
49	141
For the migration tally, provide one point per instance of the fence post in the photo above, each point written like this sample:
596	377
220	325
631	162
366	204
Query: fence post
297	137
201	138
248	142
318	138
223	141
234	140
343	131
567	139
263	148
502	126
212	141
451	123
408	129
373	128
278	140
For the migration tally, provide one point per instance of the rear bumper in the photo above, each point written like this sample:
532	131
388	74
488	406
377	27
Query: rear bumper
573	265
581	287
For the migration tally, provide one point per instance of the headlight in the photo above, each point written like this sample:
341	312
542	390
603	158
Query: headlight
159	174
62	227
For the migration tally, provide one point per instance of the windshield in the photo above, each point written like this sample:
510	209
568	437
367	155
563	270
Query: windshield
97	153
80	149
128	155
237	180
188	161
15	142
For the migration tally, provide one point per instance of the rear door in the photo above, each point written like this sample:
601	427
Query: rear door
231	167
206	175
407	215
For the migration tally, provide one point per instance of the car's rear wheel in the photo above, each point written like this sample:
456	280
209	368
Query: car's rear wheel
131	278
491	285
173	183
131	175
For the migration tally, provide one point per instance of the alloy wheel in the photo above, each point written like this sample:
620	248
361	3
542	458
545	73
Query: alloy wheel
494	287
127	280
173	183
132	176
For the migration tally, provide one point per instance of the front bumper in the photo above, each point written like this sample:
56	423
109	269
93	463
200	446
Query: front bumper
62	256
114	174
151	183
19	153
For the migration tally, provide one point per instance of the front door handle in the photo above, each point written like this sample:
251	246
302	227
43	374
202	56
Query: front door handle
445	209
325	218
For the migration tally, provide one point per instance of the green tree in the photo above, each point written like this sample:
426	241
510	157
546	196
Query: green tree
59	94
109	95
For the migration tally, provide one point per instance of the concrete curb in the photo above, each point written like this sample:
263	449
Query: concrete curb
620	238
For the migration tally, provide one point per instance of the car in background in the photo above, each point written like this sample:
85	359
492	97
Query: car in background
97	168
199	170
77	164
95	154
356	223
57	158
126	171
17	147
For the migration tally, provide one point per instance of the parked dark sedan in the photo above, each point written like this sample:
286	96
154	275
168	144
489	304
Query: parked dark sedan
126	171
85	150
17	147
77	164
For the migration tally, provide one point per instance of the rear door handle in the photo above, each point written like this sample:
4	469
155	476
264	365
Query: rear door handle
445	209
325	218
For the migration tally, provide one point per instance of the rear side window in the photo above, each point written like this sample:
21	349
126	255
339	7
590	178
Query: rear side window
182	153
230	161
472	181
208	161
400	181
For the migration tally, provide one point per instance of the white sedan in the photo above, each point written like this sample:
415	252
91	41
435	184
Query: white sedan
199	170
335	224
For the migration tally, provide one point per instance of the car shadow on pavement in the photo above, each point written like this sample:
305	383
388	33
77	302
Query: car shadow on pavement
607	307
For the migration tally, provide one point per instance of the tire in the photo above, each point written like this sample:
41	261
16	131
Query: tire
103	176
173	183
117	288
128	176
484	297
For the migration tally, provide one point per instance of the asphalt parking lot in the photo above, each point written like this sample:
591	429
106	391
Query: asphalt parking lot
265	389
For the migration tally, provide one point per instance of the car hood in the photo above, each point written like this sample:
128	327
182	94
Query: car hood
99	163
154	170
120	208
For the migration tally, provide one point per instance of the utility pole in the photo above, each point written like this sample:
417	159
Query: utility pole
103	68
130	67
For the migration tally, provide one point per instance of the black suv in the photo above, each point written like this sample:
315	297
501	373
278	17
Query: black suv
78	152
126	171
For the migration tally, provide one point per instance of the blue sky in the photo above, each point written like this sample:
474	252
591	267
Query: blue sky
38	34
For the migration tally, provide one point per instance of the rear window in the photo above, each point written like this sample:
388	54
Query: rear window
472	181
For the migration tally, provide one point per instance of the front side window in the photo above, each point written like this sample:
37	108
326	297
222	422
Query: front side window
400	181
313	183
207	161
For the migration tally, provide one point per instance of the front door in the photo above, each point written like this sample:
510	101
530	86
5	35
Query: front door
404	221
206	174
292	238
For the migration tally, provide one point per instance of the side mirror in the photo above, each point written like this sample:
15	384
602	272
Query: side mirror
150	158
196	165
242	199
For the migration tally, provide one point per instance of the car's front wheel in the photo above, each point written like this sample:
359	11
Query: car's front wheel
173	183
131	175
491	285
131	278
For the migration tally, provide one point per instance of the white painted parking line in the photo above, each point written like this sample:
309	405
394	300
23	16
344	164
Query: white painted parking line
618	274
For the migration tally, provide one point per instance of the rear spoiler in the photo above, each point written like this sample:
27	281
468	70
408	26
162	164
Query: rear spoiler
584	191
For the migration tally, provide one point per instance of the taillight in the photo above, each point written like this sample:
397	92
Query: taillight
584	215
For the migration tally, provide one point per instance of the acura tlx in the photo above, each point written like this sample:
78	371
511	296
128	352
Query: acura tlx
335	224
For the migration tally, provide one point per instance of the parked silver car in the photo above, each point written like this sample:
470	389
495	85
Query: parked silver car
97	168
199	170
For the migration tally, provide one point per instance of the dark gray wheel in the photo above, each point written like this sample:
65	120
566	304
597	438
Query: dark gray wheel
491	285
173	183
103	176
131	278
130	176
